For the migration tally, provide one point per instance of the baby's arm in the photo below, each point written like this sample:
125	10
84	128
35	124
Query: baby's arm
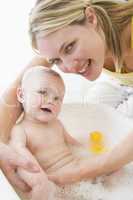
18	142
69	139
18	137
38	182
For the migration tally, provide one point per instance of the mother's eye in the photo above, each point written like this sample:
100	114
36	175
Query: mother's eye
55	61
69	47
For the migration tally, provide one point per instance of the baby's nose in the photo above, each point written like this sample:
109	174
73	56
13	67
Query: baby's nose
49	99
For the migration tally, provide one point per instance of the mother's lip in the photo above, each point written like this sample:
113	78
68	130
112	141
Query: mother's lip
85	68
82	70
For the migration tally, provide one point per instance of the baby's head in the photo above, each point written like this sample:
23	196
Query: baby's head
41	93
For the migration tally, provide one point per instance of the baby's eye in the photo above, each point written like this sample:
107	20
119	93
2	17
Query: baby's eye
69	47
43	92
57	98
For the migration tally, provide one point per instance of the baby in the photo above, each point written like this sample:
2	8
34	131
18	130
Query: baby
40	132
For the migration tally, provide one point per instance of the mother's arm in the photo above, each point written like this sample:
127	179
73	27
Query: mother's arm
10	110
106	163
111	161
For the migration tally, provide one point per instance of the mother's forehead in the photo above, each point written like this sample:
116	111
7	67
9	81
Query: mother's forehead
51	43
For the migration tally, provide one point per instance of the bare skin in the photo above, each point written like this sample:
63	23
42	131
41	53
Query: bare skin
49	143
85	53
41	132
9	115
13	160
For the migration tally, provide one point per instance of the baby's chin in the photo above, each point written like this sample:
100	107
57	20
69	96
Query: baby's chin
46	119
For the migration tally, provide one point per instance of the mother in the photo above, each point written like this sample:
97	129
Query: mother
82	37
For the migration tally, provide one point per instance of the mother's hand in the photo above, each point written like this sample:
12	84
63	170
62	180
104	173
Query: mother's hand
63	177
86	168
9	161
68	174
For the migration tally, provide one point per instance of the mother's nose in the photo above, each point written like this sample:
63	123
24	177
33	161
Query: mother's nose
70	67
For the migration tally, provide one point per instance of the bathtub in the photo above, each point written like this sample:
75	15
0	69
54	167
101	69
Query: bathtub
80	120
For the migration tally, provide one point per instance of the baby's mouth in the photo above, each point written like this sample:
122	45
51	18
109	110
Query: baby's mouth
46	110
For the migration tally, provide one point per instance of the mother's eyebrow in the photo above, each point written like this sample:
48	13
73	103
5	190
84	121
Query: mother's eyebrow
65	43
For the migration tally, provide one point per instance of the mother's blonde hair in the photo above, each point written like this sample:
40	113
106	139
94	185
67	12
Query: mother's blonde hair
48	16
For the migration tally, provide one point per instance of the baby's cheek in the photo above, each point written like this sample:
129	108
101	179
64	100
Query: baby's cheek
36	101
57	108
40	101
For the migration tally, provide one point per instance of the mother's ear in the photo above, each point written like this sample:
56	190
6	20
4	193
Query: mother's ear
20	95
91	17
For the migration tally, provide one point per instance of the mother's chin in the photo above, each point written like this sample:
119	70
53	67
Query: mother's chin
93	73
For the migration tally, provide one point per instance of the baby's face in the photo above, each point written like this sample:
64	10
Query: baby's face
43	97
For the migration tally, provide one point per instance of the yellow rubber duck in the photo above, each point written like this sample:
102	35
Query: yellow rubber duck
97	142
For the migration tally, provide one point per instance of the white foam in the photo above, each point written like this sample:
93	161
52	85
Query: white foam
80	120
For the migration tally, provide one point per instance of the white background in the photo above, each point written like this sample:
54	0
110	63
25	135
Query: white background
16	52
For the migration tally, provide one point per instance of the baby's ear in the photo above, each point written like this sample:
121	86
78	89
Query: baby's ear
20	95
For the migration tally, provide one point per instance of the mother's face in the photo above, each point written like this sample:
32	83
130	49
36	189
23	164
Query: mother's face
75	49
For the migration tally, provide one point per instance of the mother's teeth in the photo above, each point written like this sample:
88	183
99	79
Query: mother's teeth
83	70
